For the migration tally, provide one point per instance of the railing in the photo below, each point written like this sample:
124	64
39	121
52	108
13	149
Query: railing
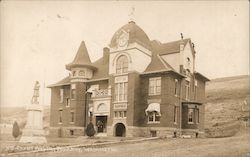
101	92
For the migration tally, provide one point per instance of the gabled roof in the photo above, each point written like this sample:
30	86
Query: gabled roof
197	74
102	66
81	59
168	48
65	81
157	64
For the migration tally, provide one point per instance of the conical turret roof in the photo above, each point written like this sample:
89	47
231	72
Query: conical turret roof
81	59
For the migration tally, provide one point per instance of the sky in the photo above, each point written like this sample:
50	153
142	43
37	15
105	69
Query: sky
39	37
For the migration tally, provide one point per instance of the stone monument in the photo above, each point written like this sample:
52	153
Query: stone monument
33	131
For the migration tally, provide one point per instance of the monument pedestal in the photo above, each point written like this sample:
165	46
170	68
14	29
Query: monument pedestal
33	131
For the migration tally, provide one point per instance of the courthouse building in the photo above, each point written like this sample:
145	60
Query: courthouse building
139	87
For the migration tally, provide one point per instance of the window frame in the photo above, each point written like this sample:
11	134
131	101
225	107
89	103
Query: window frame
67	102
153	86
72	117
120	114
176	87
121	65
121	91
187	90
60	120
197	116
154	115
191	115
61	95
175	114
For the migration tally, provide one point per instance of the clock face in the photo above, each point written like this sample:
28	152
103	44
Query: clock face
123	40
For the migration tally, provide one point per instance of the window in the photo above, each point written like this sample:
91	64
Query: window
72	117
71	132
120	114
190	116
197	118
175	114
155	86
153	117
187	88
121	91
61	95
60	116
122	65
175	87
81	73
73	94
195	89
74	73
73	91
67	102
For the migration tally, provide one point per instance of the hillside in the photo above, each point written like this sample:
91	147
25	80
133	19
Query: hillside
19	114
227	102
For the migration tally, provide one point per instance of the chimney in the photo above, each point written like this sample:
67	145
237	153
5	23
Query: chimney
181	54
105	55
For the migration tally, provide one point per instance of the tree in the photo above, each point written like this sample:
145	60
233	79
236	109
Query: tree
15	130
90	131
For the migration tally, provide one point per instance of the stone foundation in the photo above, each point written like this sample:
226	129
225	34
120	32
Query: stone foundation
150	131
66	131
131	131
193	133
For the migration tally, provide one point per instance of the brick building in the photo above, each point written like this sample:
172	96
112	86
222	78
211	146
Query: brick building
140	87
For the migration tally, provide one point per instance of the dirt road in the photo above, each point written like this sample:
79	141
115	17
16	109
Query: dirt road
237	146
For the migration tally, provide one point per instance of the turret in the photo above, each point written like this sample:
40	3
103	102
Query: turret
81	68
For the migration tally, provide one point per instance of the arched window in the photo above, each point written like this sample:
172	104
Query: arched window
122	65
102	108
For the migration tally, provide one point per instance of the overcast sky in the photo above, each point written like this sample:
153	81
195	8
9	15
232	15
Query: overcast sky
38	38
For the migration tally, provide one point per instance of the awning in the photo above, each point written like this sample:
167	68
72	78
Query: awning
90	111
153	107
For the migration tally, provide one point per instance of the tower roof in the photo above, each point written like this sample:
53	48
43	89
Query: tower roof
136	34
81	59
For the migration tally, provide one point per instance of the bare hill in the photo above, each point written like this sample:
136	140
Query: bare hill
227	103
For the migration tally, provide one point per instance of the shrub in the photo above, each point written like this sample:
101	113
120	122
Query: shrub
90	131
15	130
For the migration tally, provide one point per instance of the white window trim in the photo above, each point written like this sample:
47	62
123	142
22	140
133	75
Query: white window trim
193	118
175	114
176	87
60	116
196	119
61	95
71	117
120	117
68	99
125	98
187	88
154	122
154	87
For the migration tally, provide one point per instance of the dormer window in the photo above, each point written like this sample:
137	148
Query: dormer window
81	73
122	65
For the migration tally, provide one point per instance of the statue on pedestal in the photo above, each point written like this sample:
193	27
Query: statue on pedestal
35	97
33	131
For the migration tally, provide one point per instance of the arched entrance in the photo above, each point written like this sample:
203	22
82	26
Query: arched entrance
120	130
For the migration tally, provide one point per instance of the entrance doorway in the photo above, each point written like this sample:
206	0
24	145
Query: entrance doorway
101	123
120	130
